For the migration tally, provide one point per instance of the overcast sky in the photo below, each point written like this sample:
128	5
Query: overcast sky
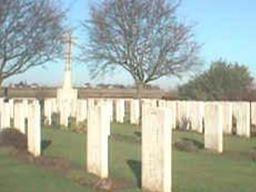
225	28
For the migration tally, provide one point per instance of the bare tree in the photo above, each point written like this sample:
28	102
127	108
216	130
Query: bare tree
30	34
144	37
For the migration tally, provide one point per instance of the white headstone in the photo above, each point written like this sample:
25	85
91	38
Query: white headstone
213	127
253	114
241	112
65	113
134	111
11	102
196	115
227	117
90	103
81	110
34	128
74	107
48	110
183	114
156	149
172	106
111	109
5	115
120	110
19	116
25	107
161	103
98	125
150	102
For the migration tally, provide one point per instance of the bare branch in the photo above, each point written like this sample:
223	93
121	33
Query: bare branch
144	37
30	34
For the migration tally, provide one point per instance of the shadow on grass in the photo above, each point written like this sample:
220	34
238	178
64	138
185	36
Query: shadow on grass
135	166
45	144
188	145
253	130
137	133
196	143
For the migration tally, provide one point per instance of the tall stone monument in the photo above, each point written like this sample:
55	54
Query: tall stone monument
67	95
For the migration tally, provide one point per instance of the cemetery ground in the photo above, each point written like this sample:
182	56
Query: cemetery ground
62	166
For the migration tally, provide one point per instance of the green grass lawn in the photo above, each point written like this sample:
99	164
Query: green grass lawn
16	176
232	171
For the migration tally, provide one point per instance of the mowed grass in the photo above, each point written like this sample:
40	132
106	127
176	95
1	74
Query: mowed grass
16	176
200	171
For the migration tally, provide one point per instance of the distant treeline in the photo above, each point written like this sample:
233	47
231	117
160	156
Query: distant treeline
222	81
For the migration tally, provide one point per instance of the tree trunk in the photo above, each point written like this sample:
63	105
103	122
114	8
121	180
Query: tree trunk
1	87
1	81
140	87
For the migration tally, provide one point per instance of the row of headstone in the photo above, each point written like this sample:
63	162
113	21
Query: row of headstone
156	144
218	120
212	118
79	110
238	117
157	121
22	111
189	115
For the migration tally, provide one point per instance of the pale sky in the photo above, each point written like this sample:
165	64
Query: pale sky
226	29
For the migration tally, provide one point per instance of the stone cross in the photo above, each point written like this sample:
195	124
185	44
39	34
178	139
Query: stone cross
69	40
67	96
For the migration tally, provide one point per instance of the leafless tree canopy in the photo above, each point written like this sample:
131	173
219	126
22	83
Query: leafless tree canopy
144	37
30	34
